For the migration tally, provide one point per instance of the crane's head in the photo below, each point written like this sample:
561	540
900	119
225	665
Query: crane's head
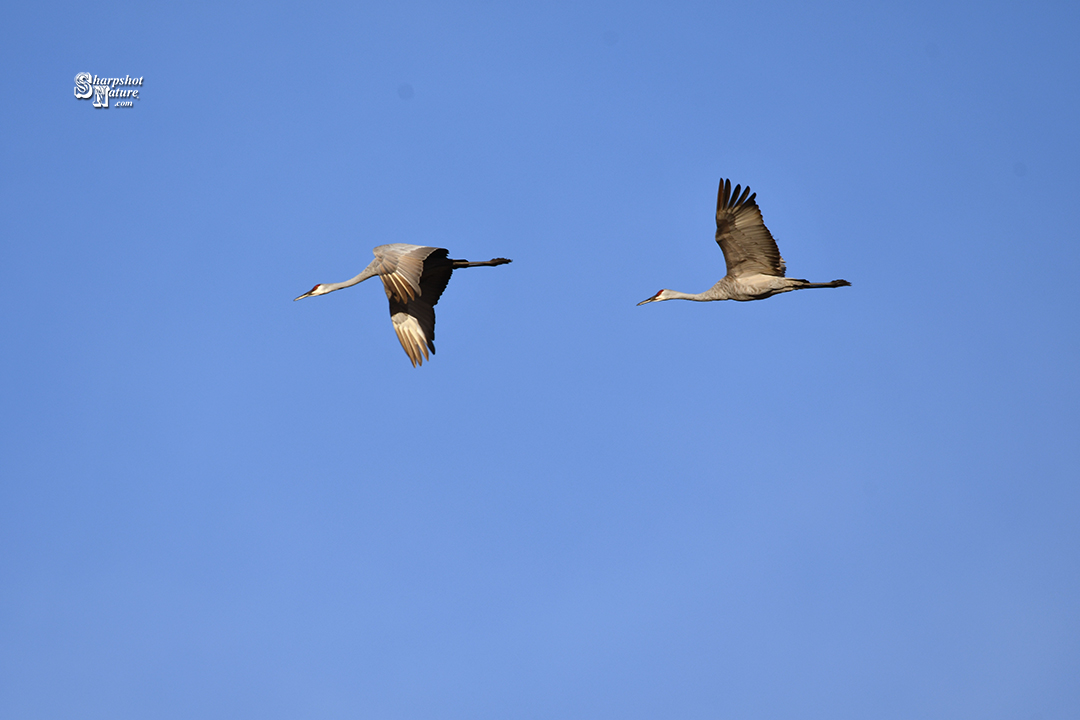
317	290
658	296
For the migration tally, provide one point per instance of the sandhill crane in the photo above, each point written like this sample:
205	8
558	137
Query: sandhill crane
755	269
414	278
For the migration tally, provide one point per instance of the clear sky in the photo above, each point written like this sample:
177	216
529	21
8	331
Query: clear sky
853	503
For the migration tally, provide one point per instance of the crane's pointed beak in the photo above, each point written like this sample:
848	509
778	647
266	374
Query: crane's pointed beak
309	293
654	298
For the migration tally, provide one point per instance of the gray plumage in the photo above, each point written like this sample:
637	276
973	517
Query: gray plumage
755	269
414	278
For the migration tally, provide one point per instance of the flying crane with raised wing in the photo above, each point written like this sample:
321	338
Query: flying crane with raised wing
755	269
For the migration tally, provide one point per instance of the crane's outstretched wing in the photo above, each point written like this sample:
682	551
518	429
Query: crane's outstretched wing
748	246
414	318
401	268
414	323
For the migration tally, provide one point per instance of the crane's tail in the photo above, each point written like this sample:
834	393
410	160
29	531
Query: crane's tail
492	263
804	284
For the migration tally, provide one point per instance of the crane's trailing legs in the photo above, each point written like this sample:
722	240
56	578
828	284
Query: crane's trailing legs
485	263
835	283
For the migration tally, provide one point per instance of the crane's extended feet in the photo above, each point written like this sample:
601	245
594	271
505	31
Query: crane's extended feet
833	284
489	263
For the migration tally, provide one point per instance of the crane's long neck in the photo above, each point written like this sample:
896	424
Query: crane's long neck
370	271
698	297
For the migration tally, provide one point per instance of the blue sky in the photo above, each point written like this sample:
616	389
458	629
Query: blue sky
853	503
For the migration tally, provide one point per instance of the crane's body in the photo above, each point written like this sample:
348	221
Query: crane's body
755	269
414	277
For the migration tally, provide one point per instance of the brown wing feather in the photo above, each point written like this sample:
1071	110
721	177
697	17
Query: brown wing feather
414	319
414	323
402	268
747	244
